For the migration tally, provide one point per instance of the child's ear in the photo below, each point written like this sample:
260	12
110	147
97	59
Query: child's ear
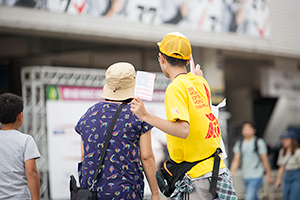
20	116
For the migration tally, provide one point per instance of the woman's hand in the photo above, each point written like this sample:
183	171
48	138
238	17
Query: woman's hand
277	184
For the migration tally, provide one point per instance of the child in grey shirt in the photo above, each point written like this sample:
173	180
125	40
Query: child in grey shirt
18	153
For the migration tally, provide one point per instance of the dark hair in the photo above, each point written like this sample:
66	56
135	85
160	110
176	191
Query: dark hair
10	106
250	123
174	61
294	145
123	101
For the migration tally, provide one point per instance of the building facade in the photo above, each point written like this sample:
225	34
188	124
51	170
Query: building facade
233	41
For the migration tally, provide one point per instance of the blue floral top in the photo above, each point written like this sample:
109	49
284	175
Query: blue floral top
121	176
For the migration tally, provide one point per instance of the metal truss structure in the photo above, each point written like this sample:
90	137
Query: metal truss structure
34	80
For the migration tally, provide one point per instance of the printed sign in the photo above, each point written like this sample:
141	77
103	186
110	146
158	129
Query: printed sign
192	65
276	83
251	17
64	106
144	85
74	93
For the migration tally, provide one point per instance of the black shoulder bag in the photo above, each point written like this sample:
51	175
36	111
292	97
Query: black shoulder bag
172	172
78	193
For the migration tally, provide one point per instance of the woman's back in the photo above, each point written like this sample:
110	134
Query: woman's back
121	175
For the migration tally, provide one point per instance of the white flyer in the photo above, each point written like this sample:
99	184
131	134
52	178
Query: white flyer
192	65
215	111
144	85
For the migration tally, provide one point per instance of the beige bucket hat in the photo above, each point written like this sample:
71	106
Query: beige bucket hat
120	82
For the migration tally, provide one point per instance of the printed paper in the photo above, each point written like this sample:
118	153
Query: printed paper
144	85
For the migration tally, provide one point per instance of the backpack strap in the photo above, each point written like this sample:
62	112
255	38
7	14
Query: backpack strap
256	151
256	145
240	145
241	152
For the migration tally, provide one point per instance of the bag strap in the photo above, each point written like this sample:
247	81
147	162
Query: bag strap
256	151
186	166
107	139
215	172
196	162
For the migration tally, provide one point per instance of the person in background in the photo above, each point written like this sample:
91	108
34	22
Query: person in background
289	165
254	161
130	145
18	153
193	133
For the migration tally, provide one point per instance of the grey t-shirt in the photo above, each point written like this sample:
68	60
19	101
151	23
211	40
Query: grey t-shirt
252	166
15	149
291	162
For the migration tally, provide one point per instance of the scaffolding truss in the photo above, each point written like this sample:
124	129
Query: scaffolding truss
34	79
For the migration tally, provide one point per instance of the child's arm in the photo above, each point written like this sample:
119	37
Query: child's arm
33	178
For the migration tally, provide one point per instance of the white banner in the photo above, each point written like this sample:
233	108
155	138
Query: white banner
63	144
251	17
64	106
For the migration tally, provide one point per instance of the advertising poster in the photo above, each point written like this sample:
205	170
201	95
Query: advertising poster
247	17
64	106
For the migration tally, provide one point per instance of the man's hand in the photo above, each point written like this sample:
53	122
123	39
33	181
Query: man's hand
198	71
138	108
179	128
155	197
270	179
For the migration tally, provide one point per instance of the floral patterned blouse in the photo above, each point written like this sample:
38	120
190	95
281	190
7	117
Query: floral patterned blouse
121	176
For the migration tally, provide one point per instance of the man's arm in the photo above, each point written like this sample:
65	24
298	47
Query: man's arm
265	161
235	163
33	178
148	162
179	128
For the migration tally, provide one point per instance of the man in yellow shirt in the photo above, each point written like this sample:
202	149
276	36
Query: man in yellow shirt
193	132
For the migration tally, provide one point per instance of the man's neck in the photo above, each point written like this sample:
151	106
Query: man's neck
248	138
175	71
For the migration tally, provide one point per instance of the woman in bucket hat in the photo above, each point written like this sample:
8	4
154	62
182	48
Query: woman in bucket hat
289	165
129	153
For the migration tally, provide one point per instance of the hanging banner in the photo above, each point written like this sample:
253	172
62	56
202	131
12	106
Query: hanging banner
251	17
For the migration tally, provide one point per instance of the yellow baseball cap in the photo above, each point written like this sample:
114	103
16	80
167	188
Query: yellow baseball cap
176	45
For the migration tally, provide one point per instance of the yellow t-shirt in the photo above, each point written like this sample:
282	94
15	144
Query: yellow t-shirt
188	98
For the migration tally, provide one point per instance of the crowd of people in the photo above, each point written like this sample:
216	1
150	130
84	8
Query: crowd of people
193	135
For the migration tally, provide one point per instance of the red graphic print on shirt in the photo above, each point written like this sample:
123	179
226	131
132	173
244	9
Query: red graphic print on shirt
214	128
196	98
207	93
